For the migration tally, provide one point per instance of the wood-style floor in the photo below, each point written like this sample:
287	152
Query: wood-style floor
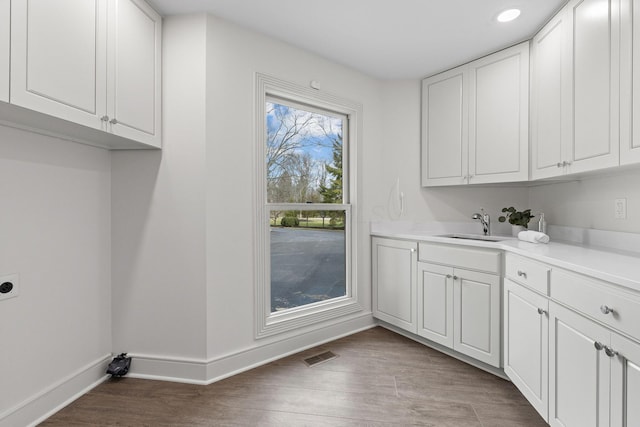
378	379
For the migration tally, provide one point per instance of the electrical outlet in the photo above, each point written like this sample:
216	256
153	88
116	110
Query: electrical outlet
621	208
9	286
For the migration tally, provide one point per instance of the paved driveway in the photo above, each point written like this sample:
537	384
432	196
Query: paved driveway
306	266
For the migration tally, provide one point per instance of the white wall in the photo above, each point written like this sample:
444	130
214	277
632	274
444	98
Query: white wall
589	203
183	280
234	56
182	221
55	221
158	214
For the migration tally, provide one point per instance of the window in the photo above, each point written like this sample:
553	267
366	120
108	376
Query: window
305	215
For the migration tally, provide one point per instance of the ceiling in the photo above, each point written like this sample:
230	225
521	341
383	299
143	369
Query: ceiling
387	39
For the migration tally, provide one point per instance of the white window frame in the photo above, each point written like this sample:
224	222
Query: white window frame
268	323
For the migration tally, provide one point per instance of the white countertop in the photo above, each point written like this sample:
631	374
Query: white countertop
614	266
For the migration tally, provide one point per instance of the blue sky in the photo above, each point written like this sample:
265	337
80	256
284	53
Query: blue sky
314	142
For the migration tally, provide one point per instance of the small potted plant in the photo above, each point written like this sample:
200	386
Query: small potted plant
519	220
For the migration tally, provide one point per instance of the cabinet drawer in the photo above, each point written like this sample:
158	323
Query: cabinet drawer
591	297
527	272
473	259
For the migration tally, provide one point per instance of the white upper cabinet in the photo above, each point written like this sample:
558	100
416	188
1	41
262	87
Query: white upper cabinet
630	83
595	50
90	62
5	38
133	101
576	90
550	99
58	58
499	116
444	128
475	121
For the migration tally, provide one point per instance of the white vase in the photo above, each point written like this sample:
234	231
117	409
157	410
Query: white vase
515	229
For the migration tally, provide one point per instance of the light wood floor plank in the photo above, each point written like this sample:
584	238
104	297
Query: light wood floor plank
378	379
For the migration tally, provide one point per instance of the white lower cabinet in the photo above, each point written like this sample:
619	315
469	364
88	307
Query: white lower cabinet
526	344
579	370
476	314
394	282
435	296
594	373
571	342
625	382
457	307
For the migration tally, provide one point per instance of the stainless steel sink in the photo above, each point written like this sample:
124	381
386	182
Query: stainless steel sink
478	237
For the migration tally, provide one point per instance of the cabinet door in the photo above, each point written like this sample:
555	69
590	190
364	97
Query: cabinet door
578	371
134	63
630	82
550	94
499	116
625	382
5	37
476	315
526	344
596	77
58	58
444	128
435	303
394	282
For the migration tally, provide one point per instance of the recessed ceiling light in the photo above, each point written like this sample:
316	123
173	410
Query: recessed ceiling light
508	15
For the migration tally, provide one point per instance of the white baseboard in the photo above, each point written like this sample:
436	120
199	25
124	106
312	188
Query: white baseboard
39	407
226	366
203	371
194	371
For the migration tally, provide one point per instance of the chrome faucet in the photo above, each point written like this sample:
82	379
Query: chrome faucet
484	220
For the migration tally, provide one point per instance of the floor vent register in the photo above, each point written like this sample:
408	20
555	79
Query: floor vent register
319	358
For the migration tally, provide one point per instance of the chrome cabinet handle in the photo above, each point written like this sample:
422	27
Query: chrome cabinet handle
104	118
610	352
522	274
566	163
412	250
559	164
606	310
542	311
113	121
598	345
455	277
449	276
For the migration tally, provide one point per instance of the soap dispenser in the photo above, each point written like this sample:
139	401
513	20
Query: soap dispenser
542	224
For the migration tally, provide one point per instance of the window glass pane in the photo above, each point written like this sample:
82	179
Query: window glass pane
307	257
304	155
